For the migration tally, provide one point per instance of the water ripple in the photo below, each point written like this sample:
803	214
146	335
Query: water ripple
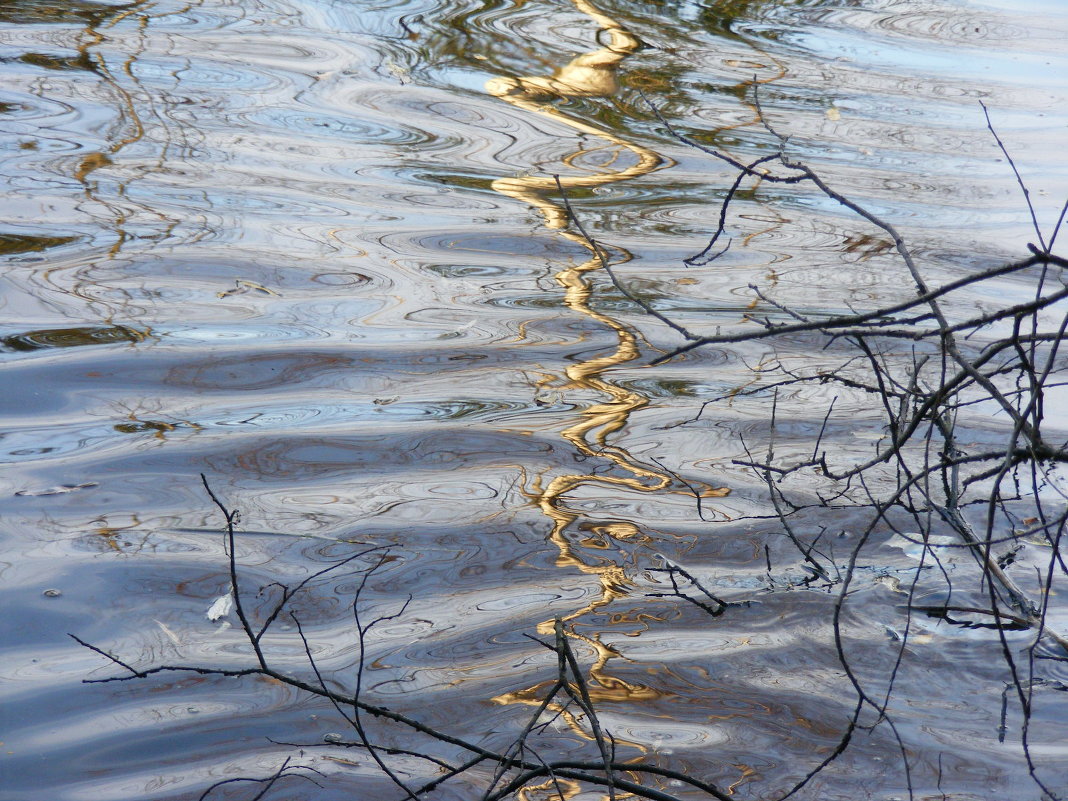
264	241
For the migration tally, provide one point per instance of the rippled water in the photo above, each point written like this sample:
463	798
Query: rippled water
314	250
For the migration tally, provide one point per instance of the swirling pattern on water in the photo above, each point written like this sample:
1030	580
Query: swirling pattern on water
297	245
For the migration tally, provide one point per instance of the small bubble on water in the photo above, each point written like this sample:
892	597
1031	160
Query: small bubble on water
52	593
603	190
192	710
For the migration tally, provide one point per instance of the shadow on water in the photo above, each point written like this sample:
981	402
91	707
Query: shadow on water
25	243
70	338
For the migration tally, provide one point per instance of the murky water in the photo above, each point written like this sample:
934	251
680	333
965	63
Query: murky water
315	250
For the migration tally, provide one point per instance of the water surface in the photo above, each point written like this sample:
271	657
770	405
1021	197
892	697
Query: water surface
315	251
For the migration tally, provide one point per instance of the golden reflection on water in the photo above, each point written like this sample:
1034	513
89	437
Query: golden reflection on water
591	74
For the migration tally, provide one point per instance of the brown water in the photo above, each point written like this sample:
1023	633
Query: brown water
315	251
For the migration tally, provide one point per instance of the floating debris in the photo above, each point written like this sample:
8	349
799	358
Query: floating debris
222	606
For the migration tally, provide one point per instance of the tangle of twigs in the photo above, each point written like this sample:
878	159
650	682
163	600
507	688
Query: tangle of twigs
930	371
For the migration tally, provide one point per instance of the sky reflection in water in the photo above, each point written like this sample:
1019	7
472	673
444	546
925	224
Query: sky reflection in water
315	250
